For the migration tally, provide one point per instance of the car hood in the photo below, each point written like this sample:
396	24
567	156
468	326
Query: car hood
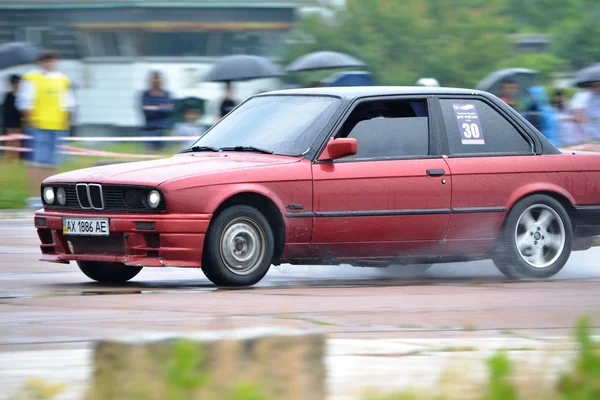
155	172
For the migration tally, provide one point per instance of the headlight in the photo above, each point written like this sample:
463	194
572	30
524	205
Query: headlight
48	195
61	196
153	198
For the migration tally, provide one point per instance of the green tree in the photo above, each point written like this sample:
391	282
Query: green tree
456	42
578	39
539	16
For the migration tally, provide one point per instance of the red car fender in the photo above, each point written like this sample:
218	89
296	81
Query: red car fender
220	194
537	187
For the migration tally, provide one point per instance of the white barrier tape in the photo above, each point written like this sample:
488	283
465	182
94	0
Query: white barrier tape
19	149
76	151
101	153
109	139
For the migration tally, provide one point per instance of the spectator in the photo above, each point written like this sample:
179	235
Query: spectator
45	98
11	117
567	130
228	103
541	115
190	126
510	93
586	110
157	107
559	101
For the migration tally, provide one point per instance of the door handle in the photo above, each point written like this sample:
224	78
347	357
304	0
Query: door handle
436	172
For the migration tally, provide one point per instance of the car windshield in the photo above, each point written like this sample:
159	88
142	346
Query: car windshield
285	125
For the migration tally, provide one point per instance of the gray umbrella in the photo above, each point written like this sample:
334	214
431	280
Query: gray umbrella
492	83
18	53
324	60
241	68
588	75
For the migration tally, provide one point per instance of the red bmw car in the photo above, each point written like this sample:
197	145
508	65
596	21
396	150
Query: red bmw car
373	175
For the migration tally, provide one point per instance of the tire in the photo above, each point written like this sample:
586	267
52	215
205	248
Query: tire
536	241
239	247
108	272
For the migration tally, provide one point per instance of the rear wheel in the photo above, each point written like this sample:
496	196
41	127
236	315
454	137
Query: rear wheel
108	272
239	247
537	239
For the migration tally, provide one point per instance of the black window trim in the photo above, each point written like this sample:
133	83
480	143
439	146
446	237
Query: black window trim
525	133
433	126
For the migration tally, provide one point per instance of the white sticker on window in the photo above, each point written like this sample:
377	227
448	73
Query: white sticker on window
468	124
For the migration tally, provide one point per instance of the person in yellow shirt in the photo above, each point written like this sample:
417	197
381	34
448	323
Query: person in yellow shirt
46	100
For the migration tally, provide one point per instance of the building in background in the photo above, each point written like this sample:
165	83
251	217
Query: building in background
108	48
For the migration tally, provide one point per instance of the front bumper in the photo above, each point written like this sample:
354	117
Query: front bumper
176	240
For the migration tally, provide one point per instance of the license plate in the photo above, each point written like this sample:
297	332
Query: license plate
86	226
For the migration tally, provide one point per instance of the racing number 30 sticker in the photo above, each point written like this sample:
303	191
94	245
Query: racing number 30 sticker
468	124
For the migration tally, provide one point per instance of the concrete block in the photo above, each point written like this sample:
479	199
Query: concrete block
234	365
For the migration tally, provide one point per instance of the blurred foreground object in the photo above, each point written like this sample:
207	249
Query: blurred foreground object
429	82
324	60
268	364
242	68
18	53
588	76
493	82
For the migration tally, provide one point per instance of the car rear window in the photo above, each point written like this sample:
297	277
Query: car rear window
473	126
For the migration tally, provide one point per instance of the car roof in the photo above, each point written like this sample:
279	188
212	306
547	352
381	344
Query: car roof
350	92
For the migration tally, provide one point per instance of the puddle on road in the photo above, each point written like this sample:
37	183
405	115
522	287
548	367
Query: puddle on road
179	287
112	292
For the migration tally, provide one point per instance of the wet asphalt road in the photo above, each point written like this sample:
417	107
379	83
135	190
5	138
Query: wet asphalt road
51	305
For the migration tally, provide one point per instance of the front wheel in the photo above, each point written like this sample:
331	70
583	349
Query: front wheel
239	247
537	239
108	272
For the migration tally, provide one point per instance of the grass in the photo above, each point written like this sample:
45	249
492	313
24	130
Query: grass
579	381
469	327
14	187
39	389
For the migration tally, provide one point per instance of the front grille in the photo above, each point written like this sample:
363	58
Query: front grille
103	197
95	195
82	196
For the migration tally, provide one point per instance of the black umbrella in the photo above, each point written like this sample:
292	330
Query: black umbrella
493	82
18	53
241	68
324	60
588	75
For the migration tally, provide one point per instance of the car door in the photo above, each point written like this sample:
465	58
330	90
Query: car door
489	156
393	196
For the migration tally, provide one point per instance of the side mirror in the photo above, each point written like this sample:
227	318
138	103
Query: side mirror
339	148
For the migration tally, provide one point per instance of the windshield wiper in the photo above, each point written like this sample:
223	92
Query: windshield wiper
247	148
194	149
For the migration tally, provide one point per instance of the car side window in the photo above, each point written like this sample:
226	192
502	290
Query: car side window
473	126
388	129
